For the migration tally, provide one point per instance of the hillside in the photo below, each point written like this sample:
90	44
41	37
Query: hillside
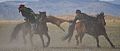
9	11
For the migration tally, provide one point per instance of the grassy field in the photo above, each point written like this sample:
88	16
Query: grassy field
88	44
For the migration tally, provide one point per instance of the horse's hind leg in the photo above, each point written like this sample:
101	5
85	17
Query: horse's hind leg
81	36
70	37
31	35
106	36
48	39
41	36
77	40
61	28
97	39
24	34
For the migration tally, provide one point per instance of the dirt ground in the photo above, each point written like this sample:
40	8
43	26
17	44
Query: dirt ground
56	44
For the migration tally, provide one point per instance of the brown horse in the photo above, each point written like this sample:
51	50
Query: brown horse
29	28
95	29
26	28
56	21
52	19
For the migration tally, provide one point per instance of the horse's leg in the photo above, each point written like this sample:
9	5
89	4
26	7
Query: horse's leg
70	32
24	34
77	40
81	36
61	28
106	36
97	39
69	39
41	36
31	35
48	39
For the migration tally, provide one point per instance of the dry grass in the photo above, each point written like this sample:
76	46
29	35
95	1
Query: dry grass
89	43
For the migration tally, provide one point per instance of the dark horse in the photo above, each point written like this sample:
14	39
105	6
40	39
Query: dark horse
94	28
28	28
42	28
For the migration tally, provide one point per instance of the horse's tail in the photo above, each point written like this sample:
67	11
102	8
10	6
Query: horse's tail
16	31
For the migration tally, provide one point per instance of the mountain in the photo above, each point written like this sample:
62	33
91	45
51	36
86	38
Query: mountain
69	0
115	2
9	11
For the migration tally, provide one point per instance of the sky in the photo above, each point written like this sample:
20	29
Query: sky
107	0
37	0
111	1
17	0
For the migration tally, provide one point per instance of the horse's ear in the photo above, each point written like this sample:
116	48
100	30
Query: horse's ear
39	12
45	12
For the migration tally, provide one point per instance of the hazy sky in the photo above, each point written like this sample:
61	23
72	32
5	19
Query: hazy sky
106	0
17	0
37	0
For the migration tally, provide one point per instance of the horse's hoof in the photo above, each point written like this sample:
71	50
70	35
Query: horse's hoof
45	46
99	46
63	30
113	46
77	43
63	39
69	41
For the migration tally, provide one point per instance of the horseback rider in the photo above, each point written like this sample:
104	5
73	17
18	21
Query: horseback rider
30	16
27	13
79	16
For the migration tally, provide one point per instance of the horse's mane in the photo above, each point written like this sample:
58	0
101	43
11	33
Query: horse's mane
90	18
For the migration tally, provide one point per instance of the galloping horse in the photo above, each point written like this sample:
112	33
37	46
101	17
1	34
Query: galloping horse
94	28
80	28
27	28
42	28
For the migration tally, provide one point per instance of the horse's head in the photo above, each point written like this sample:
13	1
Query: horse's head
101	19
42	16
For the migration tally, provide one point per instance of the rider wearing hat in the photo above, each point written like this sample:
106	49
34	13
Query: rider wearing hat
27	13
82	17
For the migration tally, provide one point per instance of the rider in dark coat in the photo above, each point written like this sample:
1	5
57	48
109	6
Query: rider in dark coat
27	13
79	16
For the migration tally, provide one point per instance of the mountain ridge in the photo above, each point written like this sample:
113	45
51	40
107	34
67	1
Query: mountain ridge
8	10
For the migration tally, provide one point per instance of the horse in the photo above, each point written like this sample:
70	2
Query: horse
95	29
42	28
71	28
25	27
29	28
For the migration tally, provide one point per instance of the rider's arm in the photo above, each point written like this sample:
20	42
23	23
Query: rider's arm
31	11
76	18
19	10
